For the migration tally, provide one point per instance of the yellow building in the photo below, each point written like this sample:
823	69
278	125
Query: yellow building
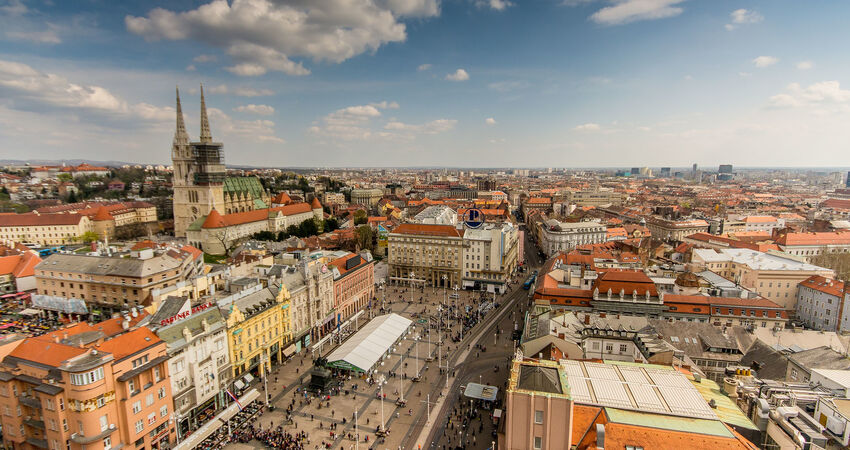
258	329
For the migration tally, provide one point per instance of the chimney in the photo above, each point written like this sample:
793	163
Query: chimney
587	319
600	436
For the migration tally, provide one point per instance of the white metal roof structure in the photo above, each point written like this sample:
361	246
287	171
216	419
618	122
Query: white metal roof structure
639	387
365	348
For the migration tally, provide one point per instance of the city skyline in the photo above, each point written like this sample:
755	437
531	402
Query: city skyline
423	83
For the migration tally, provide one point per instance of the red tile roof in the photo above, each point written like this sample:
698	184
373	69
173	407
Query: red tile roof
315	204
428	230
821	238
102	214
825	285
626	280
29	219
19	266
214	220
45	351
129	343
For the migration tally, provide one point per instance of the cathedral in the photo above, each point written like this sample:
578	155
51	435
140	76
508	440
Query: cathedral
200	179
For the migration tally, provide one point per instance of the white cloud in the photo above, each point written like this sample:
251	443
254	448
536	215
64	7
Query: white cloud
205	58
588	127
260	130
423	67
191	68
765	61
263	35
24	83
458	75
251	92
385	105
490	121
48	36
575	2
14	8
821	94
742	17
432	127
626	11
498	5
262	110
805	65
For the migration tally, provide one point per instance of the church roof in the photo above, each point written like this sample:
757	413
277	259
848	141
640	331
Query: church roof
315	204
249	185
214	220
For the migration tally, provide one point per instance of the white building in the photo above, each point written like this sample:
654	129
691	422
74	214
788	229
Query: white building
489	257
558	236
310	289
199	361
762	223
437	215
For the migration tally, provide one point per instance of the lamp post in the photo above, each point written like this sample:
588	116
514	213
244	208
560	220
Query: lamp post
411	286
356	433
382	381
266	377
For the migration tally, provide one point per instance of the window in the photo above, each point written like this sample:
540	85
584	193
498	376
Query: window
104	423
609	347
163	411
64	424
538	417
156	375
140	425
140	361
633	447
137	407
82	379
151	418
50	404
131	385
161	394
622	348
149	400
107	443
538	442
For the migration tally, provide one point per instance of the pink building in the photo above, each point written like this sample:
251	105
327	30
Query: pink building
354	284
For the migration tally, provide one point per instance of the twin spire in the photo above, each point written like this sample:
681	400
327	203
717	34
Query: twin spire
181	137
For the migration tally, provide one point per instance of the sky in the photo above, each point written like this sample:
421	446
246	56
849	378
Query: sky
451	83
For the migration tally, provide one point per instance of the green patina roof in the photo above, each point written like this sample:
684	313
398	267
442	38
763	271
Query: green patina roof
250	185
665	422
259	204
196	225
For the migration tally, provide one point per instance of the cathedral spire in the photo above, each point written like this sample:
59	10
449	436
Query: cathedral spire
205	122
180	136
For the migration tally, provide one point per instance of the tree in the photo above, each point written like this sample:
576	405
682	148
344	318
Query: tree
331	224
264	236
360	217
88	237
72	197
308	228
364	237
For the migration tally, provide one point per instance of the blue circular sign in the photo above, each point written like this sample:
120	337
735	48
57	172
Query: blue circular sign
473	218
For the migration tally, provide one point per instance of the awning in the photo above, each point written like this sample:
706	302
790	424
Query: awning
208	428
363	350
248	378
481	391
289	351
239	384
30	312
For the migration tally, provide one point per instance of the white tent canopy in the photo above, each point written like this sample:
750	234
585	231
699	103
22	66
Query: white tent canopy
363	350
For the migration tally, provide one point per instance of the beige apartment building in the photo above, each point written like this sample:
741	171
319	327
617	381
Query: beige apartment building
424	253
112	283
772	276
675	230
490	257
44	229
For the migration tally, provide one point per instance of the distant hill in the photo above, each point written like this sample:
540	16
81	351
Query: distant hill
67	162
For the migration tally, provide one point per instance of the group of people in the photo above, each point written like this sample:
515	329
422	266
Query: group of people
274	437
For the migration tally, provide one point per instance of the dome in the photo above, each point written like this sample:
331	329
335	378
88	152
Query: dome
687	279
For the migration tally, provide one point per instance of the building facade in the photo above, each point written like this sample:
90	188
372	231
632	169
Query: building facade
354	284
366	197
199	178
199	360
258	329
822	304
555	236
309	288
675	230
490	257
429	254
88	387
111	284
44	229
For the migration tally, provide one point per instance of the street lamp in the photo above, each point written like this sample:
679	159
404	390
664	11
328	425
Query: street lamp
382	381
411	286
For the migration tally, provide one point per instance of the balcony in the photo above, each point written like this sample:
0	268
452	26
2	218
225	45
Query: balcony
32	423
78	438
40	443
29	401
